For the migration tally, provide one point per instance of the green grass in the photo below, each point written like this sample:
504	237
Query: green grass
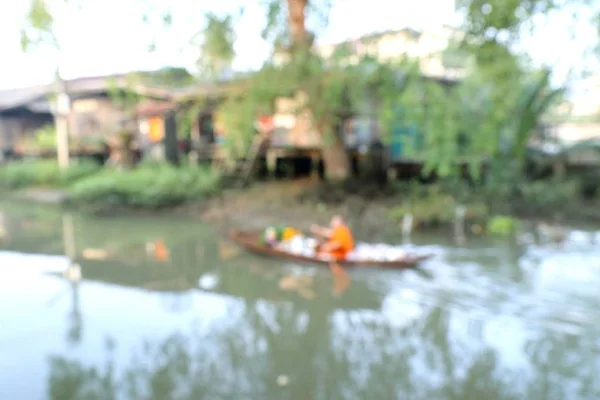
43	173
93	187
148	186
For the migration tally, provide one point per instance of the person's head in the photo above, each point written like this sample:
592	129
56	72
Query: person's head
336	221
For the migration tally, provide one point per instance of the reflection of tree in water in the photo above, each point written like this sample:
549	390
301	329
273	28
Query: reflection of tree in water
567	366
327	355
418	361
70	380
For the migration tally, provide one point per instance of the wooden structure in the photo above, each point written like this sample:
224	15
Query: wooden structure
95	114
158	128
20	117
251	242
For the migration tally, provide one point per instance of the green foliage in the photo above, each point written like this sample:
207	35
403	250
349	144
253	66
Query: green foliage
123	94
147	186
166	77
436	204
237	118
502	225
548	197
493	16
40	26
534	101
22	174
276	29
43	139
217	49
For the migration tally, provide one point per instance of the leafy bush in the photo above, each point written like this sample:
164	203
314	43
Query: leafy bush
502	225
148	186
548	196
437	204
21	174
43	139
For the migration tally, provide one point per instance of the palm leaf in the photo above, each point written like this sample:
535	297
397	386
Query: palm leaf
537	98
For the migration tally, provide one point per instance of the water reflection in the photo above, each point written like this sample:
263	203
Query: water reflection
189	317
335	355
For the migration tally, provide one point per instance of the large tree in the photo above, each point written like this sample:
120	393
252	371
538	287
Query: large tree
333	89
323	87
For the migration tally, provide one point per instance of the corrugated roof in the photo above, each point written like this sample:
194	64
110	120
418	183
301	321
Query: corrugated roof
97	84
13	98
153	108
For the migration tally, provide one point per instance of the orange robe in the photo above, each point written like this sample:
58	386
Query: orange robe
342	236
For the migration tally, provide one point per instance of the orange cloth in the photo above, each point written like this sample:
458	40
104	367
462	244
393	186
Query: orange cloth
343	237
156	133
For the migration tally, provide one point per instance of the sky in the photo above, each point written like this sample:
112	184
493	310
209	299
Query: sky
109	36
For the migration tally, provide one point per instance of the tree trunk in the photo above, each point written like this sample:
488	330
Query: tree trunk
337	162
335	156
297	22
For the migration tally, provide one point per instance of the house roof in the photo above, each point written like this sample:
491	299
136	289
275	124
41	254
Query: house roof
31	97
23	97
16	97
151	108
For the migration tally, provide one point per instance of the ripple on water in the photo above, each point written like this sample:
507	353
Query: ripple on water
555	288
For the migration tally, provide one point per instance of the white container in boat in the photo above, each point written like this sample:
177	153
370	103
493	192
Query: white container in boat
296	245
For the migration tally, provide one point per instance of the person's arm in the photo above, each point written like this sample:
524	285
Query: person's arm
321	231
332	245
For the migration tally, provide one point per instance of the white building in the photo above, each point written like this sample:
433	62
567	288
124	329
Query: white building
431	47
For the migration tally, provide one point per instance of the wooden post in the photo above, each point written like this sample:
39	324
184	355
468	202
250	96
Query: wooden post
315	158
271	162
170	139
392	173
195	144
61	123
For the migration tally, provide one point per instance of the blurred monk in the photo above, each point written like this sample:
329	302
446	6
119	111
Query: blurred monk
338	239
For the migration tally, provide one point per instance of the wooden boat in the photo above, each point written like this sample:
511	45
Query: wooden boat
251	242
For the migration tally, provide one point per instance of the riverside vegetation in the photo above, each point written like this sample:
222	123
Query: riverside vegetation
90	187
499	105
152	187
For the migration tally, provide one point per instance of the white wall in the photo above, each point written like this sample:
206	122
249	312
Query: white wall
393	46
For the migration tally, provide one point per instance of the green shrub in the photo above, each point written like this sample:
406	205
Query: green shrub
28	173
148	186
549	196
502	225
43	139
436	204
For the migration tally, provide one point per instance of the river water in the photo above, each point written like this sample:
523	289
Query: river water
167	309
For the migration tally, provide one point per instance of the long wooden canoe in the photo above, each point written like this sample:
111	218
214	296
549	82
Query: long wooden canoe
251	242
